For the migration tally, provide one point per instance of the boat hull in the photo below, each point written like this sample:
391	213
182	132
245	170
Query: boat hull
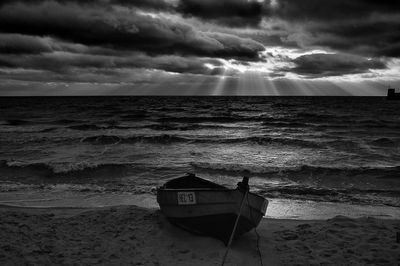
212	212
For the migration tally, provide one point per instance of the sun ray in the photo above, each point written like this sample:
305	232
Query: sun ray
220	85
270	87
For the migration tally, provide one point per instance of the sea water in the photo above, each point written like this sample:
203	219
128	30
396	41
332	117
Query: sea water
312	157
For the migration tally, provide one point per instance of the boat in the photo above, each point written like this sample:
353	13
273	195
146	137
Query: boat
392	94
206	208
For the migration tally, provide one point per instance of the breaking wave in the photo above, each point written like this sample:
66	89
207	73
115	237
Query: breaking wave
385	142
303	170
215	119
84	127
112	139
56	171
92	127
166	138
353	195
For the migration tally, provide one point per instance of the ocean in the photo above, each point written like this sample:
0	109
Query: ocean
310	156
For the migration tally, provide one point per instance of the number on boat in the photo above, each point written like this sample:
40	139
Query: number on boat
186	198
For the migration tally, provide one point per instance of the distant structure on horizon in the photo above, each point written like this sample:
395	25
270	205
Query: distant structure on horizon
392	94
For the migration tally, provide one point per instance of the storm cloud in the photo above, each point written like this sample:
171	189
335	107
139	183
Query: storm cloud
364	27
237	13
322	65
84	39
121	29
311	10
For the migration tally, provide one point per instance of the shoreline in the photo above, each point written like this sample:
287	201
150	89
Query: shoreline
140	236
277	208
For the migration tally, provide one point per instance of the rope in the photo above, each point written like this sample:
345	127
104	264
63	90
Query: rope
234	228
255	230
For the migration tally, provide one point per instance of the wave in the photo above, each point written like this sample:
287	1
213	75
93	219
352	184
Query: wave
17	122
21	122
56	171
65	121
112	139
169	127
166	138
134	116
85	127
297	171
343	144
325	117
282	105
214	119
284	124
245	109
232	169
322	121
186	127
19	130
263	140
94	127
385	142
183	127
370	123
352	195
171	109
314	183
299	190
50	129
377	172
102	139
323	192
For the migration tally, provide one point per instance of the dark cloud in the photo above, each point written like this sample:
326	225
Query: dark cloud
21	44
237	46
112	40
143	4
67	63
238	13
371	37
323	65
146	4
311	10
124	29
273	39
364	27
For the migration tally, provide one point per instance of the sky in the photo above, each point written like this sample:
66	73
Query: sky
199	47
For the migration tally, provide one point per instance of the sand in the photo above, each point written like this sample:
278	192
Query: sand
130	235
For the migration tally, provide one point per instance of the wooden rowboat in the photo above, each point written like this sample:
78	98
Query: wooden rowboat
207	208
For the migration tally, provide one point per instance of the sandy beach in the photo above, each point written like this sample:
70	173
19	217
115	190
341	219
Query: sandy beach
130	235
